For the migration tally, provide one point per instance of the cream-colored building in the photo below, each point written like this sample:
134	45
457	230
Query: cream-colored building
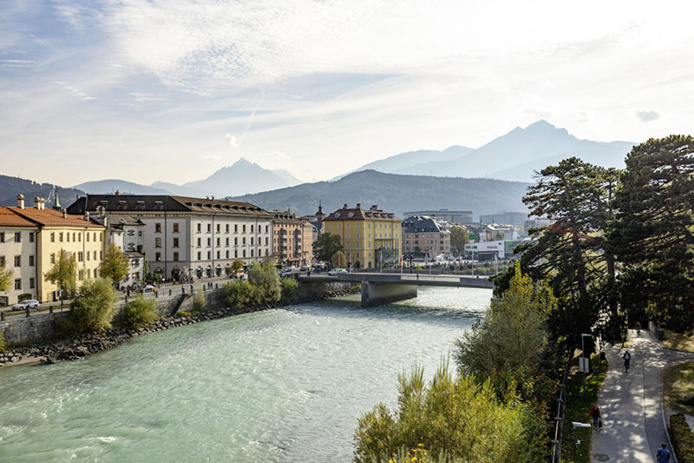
18	254
78	235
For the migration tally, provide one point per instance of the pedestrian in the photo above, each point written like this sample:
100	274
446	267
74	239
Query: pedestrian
627	360
595	414
662	455
638	328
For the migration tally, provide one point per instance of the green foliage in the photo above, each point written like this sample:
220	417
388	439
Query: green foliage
237	266
459	238
199	301
289	287
454	418
326	245
115	265
652	234
267	280
139	312
240	293
682	438
92	309
2	342
5	278
63	273
508	346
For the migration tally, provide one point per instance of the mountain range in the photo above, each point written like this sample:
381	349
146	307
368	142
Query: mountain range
10	187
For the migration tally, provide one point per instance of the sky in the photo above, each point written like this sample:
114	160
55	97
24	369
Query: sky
173	90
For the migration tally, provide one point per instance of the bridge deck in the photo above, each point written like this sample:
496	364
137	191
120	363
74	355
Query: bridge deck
405	279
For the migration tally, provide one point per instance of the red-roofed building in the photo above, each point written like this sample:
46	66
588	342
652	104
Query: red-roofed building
18	255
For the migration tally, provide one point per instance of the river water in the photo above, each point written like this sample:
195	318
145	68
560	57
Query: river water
279	385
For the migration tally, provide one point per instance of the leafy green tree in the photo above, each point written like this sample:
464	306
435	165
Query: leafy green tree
265	277
199	301
459	238
326	245
652	234
237	266
509	344
63	273
571	254
240	293
455	419
289	287
115	265
92	309
5	278
139	312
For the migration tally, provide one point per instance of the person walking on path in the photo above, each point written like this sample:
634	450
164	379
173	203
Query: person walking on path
662	455
638	328
627	360
595	414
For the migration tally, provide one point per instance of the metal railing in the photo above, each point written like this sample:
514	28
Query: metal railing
561	409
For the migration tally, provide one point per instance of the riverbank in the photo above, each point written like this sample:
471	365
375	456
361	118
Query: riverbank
74	349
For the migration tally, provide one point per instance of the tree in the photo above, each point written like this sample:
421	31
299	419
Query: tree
455	419
5	279
265	277
652	234
509	344
115	265
63	273
571	254
139	312
459	238
237	266
92	309
326	245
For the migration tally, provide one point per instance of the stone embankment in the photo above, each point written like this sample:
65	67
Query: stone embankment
74	349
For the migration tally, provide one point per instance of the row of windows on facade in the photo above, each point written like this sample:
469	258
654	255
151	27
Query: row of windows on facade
17	261
76	237
368	235
368	225
175	228
176	242
176	256
80	258
428	242
17	237
80	276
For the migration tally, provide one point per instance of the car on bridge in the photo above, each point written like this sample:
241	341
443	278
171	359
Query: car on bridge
333	272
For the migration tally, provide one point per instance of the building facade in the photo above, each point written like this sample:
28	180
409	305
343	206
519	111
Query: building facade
457	217
192	237
18	255
371	238
287	238
424	237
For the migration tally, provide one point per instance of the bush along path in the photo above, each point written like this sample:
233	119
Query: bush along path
74	349
631	401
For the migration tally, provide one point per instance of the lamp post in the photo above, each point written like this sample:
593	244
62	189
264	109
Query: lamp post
576	442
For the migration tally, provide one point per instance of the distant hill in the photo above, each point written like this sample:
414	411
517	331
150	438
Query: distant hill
517	155
287	177
10	187
112	185
396	193
401	162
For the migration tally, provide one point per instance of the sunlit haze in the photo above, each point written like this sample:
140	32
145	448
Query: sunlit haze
173	90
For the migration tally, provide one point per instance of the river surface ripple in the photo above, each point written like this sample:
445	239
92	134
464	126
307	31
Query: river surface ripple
284	385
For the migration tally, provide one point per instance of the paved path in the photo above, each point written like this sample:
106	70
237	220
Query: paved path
630	402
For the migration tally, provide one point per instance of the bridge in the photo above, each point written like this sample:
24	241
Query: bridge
383	288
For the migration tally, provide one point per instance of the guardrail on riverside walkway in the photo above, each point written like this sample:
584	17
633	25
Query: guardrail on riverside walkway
561	409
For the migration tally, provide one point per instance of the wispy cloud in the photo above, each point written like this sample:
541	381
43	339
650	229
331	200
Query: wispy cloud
647	115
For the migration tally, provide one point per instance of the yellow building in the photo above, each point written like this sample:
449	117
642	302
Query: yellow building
78	235
371	238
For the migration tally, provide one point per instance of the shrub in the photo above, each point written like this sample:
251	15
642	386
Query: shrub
682	439
138	313
92	309
289	287
199	301
265	277
2	342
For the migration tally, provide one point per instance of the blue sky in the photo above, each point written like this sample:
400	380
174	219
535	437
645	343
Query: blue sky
172	90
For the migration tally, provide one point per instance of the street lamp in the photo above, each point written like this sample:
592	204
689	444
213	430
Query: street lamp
576	424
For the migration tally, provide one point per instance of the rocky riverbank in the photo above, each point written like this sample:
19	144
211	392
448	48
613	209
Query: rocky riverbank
74	349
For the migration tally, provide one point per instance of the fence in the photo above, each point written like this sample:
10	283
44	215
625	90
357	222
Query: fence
561	408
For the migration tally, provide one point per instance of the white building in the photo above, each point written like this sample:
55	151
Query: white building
189	236
18	253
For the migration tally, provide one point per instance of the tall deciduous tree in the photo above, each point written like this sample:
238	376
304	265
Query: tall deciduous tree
326	245
63	273
459	238
92	309
654	231
115	265
5	279
571	254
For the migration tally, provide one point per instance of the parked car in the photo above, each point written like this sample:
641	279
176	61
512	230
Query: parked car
149	289
336	271
32	304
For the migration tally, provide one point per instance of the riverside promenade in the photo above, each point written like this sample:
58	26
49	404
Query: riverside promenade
633	416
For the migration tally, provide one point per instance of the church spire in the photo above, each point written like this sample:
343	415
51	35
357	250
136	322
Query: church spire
56	203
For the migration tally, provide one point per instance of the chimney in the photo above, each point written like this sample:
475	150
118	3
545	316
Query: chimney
86	216
64	214
42	203
346	206
358	205
20	201
374	207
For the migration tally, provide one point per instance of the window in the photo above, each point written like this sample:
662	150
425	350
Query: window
244	242
2	237
175	242
18	283
227	242
31	261
2	261
227	253
32	283
18	237
209	227
95	274
157	256
199	255
157	242
236	254
52	237
157	228
17	261
209	242
243	229
267	228
87	238
175	228
80	257
80	275
199	228
52	258
218	228
227	228
236	228
175	257
236	241
88	253
31	237
199	242
218	241
218	254
209	255
251	228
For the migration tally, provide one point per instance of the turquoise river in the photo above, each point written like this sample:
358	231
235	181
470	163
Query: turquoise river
284	385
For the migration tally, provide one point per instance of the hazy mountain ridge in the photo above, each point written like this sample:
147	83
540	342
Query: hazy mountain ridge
395	193
400	162
10	187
